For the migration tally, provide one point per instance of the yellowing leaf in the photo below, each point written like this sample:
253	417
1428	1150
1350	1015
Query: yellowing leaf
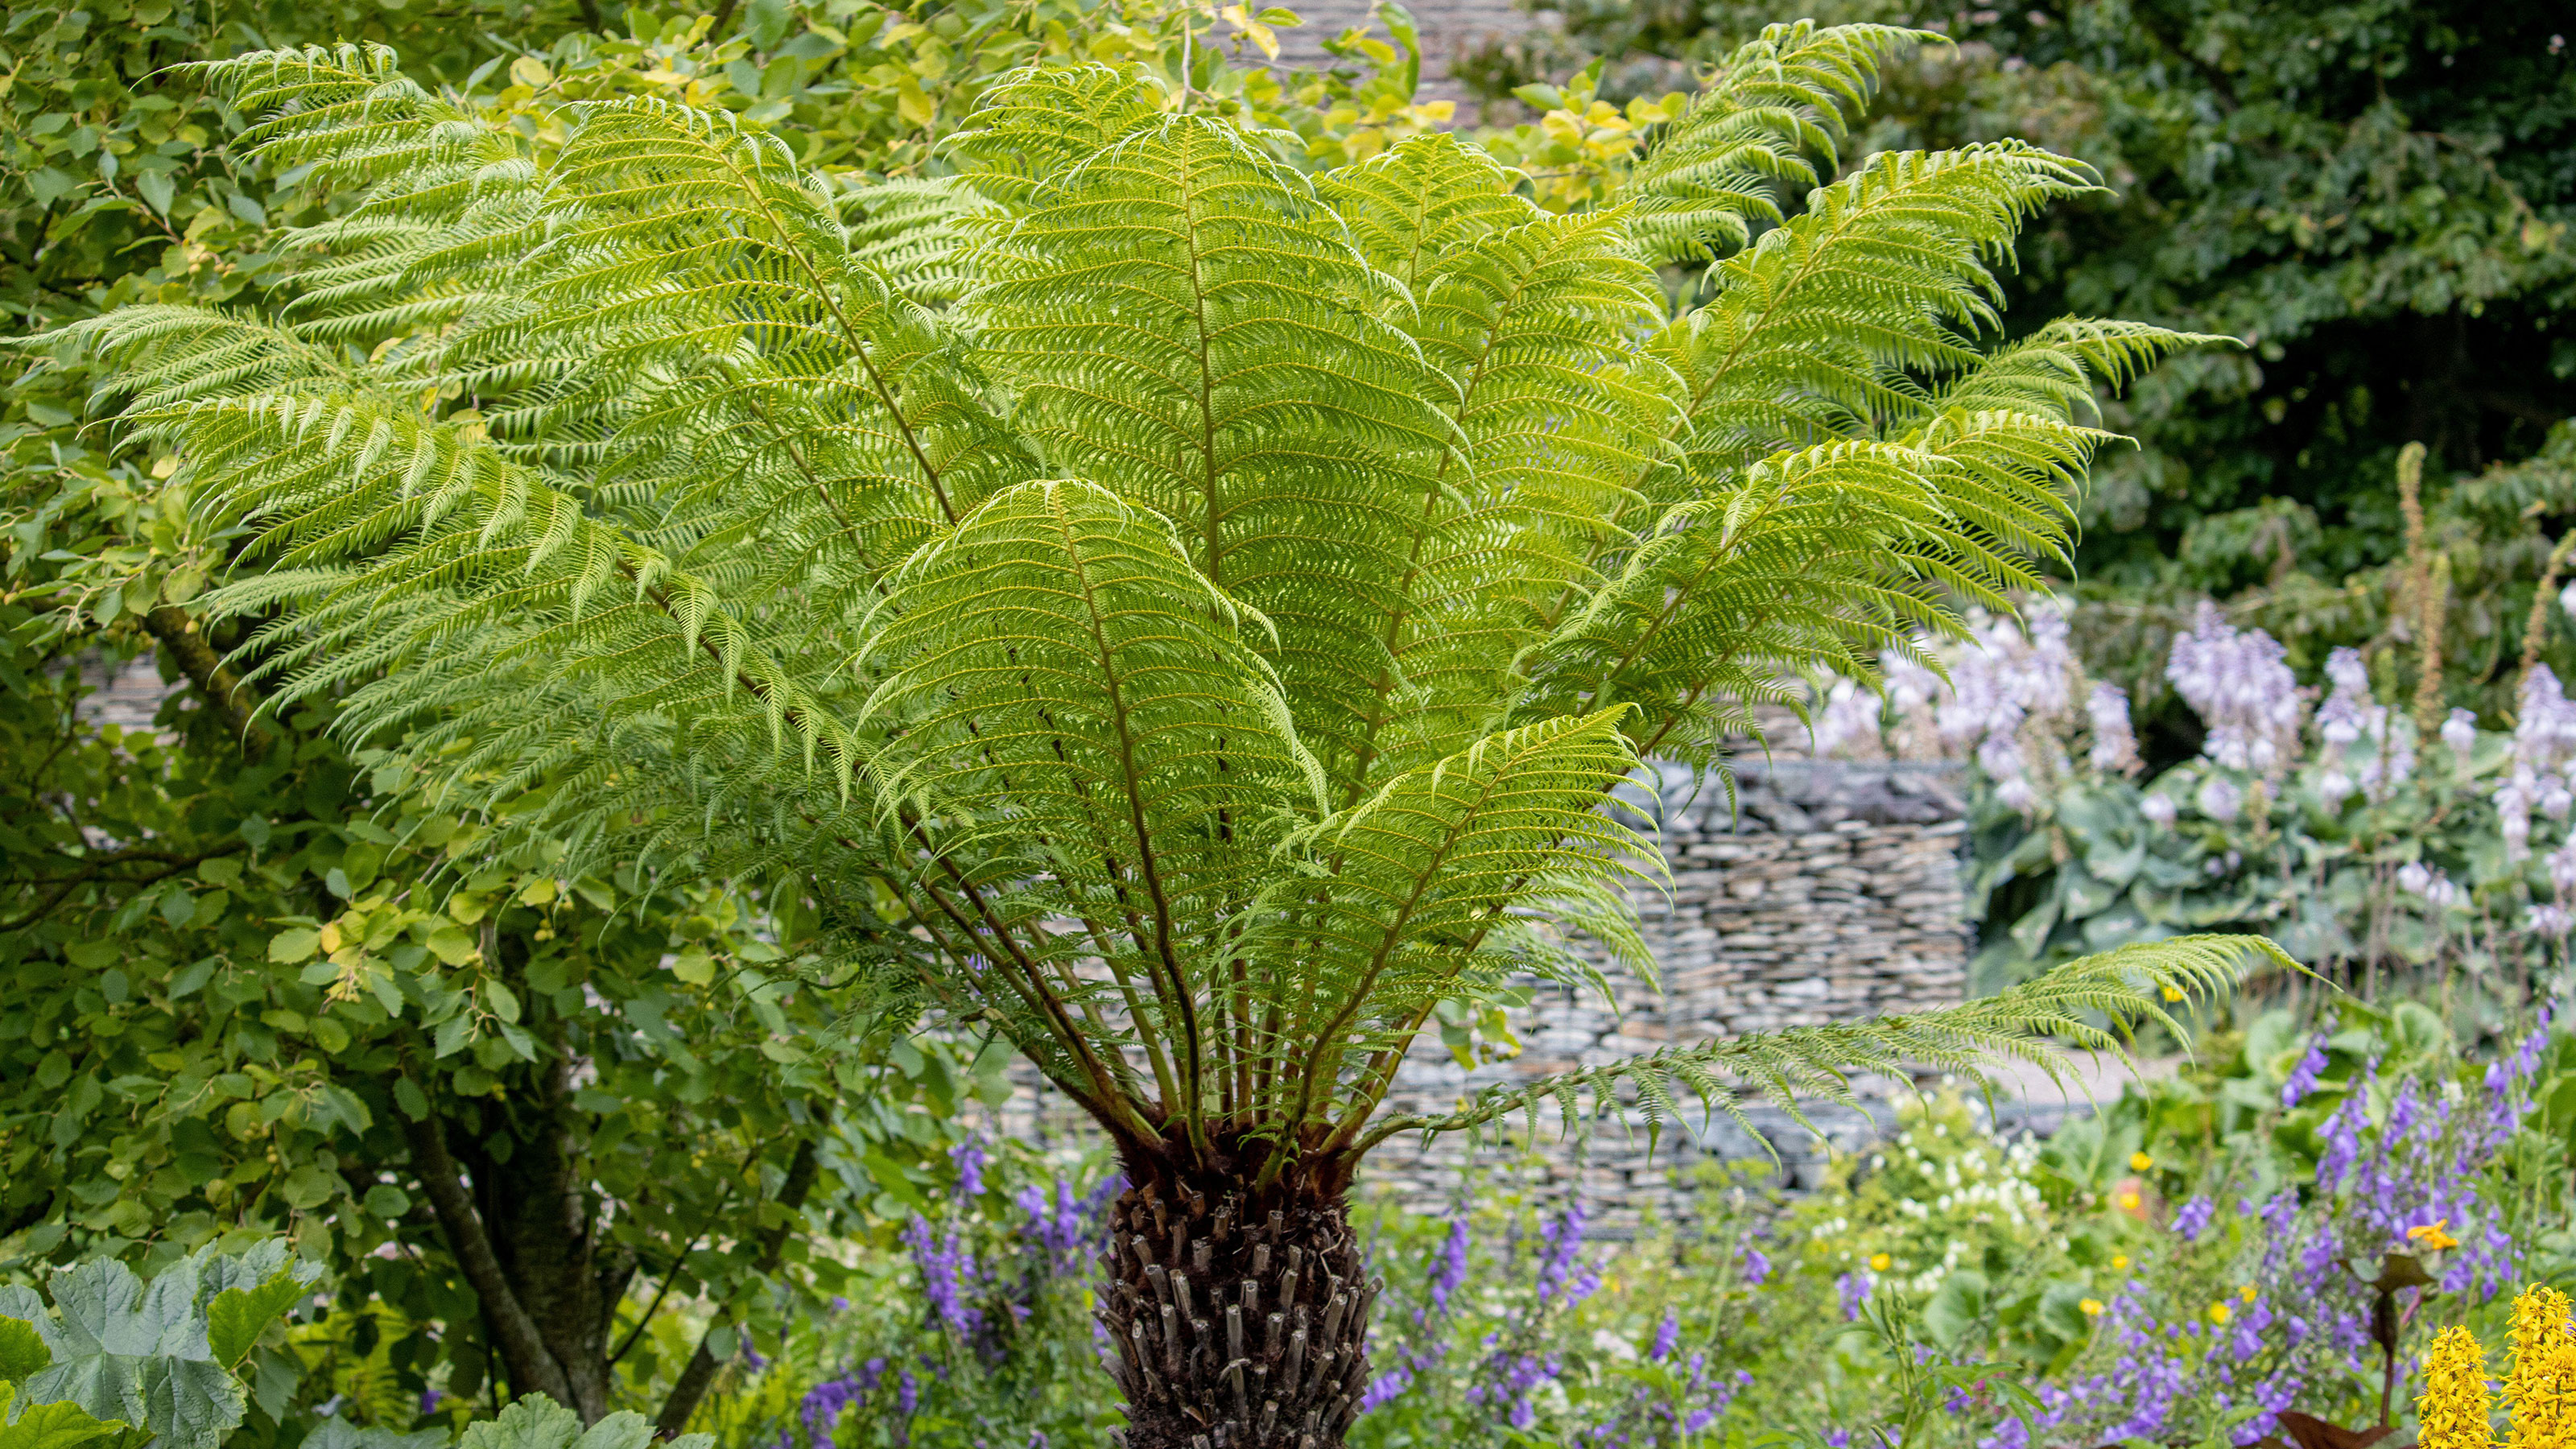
531	72
694	966
912	105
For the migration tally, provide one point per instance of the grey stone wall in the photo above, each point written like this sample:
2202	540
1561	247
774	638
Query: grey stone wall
1448	30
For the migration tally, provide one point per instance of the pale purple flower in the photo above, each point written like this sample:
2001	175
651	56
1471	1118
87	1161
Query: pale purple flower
1849	723
2159	810
2433	887
2219	799
2238	683
1756	1266
2115	745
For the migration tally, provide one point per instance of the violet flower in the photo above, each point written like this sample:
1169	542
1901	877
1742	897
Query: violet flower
2193	1219
2303	1077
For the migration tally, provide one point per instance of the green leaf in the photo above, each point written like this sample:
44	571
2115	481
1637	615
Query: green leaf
22	1351
124	1350
58	1425
238	1316
451	944
290	946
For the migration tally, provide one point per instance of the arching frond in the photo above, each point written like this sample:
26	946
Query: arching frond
2084	1004
1814	332
1789	93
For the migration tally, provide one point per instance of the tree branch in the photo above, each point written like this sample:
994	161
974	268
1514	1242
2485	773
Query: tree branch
214	680
532	1365
701	1370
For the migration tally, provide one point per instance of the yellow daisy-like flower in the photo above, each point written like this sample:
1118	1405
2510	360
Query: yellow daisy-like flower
2220	1313
2541	1390
1880	1262
2435	1235
2454	1406
2140	1162
2128	1202
2119	1262
2092	1307
2246	1292
2173	993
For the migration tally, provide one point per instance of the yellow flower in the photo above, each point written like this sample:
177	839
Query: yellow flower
2119	1262
1880	1262
2433	1235
2220	1313
2246	1292
2454	1406
2541	1390
2128	1202
2173	993
2092	1307
2140	1162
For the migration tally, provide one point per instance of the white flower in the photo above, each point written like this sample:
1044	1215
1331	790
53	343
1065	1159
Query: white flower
2460	732
2159	809
2437	889
2333	788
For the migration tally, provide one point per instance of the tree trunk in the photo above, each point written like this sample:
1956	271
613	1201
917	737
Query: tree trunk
1241	1319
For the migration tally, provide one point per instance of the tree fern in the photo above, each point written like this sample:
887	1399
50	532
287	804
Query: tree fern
1211	603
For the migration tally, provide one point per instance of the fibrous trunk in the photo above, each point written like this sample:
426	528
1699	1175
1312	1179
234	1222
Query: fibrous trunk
1241	1321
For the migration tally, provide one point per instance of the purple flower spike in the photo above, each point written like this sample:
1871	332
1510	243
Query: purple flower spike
970	1158
2194	1218
1668	1334
2303	1077
1855	1290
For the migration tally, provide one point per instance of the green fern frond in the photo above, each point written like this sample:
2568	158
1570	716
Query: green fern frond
2089	1004
1789	93
1889	270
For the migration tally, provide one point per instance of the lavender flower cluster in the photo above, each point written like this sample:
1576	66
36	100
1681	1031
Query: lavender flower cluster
2238	682
2008	695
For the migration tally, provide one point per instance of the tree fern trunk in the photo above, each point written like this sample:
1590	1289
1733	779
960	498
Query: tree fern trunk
1241	1321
